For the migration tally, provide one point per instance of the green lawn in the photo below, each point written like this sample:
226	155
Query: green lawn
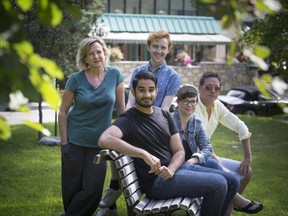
30	173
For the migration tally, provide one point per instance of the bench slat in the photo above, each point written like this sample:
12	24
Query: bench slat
176	203
98	159
130	189
122	161
199	200
185	203
104	152
114	155
193	207
166	206
125	170
149	207
158	206
102	156
141	205
132	177
131	200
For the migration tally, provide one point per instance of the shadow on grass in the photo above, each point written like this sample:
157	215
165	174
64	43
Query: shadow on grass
30	173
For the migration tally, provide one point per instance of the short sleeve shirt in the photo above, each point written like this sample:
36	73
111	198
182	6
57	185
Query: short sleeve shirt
168	81
151	132
92	110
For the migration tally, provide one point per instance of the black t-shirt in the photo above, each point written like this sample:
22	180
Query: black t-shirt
151	132
188	152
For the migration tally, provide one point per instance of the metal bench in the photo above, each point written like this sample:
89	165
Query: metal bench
136	201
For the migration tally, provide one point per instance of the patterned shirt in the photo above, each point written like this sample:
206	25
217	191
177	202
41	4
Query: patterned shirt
168	80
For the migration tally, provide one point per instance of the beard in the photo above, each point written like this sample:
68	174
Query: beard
143	103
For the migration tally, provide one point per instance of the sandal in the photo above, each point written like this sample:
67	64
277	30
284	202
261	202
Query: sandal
249	208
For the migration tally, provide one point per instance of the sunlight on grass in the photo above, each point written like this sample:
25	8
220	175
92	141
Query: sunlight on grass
269	165
30	181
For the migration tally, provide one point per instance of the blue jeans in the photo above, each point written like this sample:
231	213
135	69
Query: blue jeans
215	186
212	163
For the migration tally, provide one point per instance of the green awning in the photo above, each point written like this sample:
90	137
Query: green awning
140	38
143	23
134	28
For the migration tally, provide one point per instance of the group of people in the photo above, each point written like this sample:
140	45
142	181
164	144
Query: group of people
172	153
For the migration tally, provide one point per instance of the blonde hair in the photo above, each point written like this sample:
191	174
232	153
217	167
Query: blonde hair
83	50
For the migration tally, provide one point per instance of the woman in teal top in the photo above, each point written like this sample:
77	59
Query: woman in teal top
85	112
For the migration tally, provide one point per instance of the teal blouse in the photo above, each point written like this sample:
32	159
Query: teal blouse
92	110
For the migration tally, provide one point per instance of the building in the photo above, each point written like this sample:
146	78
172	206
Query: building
127	23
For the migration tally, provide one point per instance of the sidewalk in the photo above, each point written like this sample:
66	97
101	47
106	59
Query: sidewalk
33	115
48	115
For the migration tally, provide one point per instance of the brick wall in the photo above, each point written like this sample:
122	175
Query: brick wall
231	75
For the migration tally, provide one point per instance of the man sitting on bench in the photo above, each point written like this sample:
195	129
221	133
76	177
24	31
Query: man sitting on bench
150	136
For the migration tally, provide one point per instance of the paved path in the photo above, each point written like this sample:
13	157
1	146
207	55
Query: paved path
33	115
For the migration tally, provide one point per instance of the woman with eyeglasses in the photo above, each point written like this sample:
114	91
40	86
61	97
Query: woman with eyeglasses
197	146
192	133
212	112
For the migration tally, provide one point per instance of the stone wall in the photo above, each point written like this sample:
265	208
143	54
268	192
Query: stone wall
231	75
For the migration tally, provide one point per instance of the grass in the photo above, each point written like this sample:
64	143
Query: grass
30	173
270	150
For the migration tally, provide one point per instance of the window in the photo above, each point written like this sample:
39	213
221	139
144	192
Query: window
176	7
162	7
132	7
117	6
147	7
190	8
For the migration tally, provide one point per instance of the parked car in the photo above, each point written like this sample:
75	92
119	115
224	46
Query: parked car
174	105
248	100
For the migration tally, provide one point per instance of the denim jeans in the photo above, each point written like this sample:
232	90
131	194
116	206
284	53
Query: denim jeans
215	186
212	163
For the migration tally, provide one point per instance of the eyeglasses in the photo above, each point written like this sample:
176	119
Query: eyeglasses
186	102
211	88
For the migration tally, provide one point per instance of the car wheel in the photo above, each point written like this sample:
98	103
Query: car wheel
250	113
172	108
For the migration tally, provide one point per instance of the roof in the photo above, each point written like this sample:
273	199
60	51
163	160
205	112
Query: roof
145	23
134	28
141	38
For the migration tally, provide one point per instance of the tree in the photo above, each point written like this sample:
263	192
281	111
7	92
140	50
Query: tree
24	66
60	43
267	35
272	32
234	13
